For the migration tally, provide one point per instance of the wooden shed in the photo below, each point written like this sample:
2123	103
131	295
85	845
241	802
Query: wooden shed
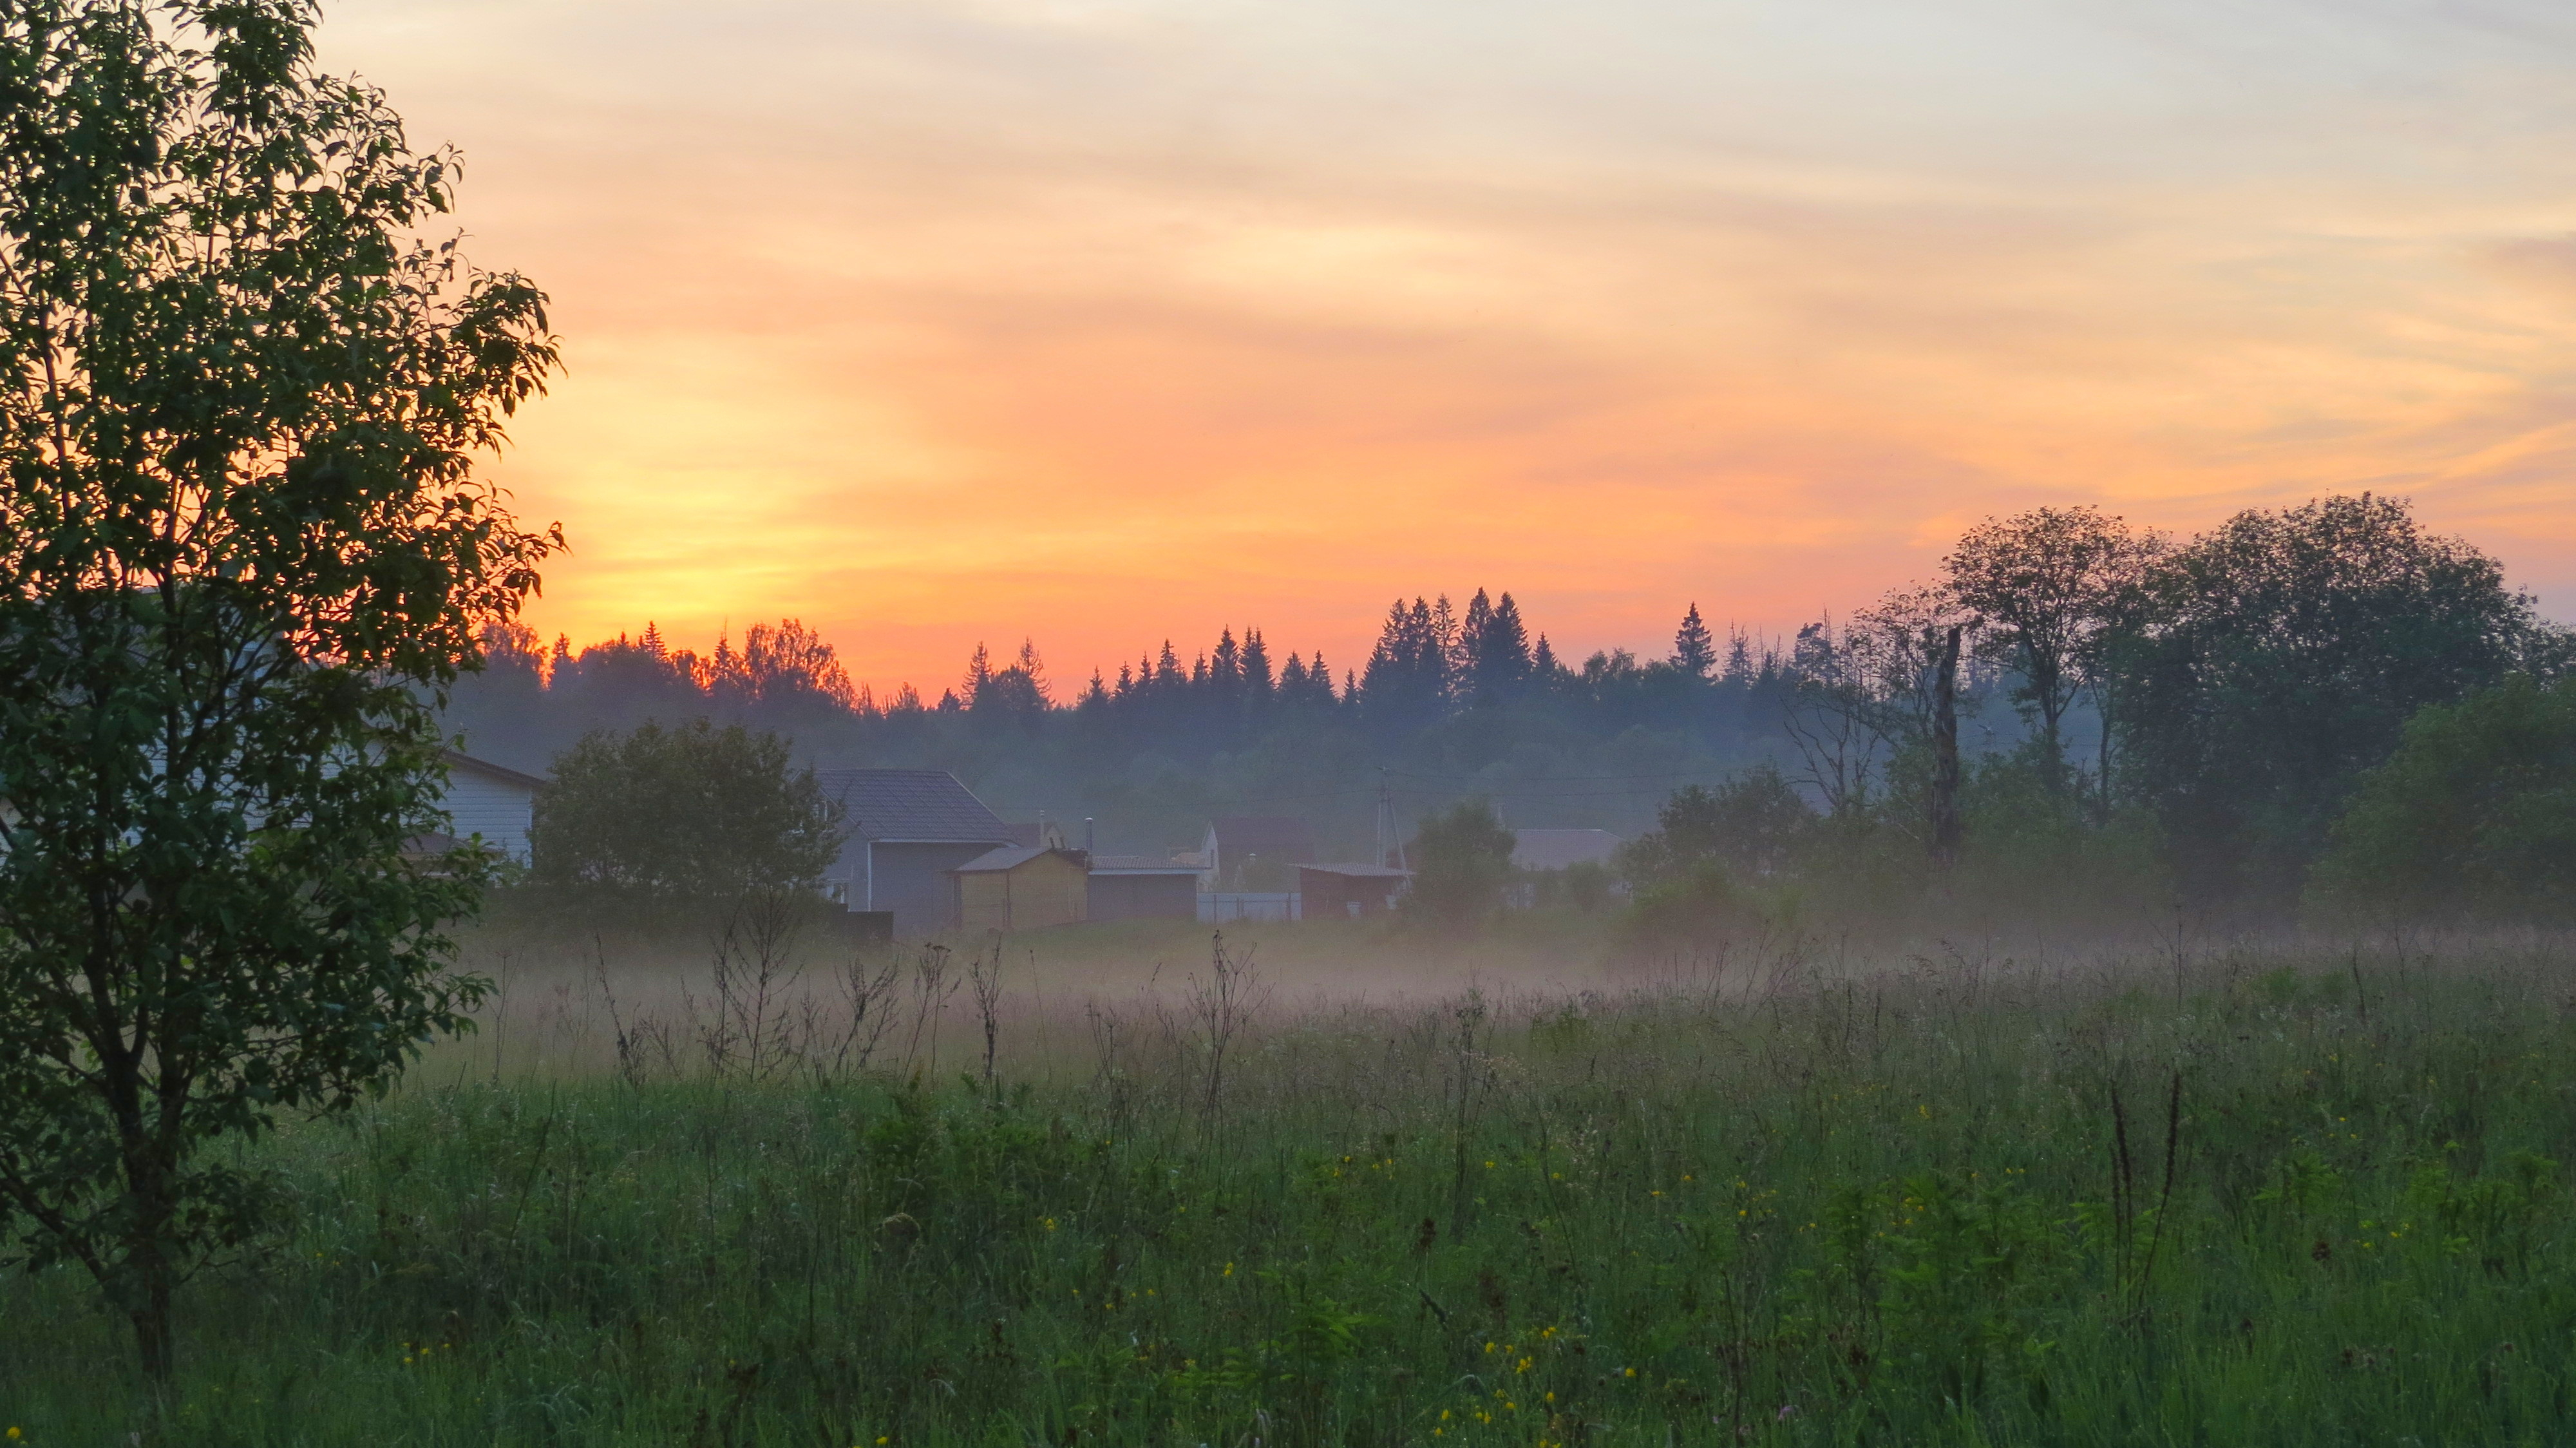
1019	887
1132	887
1335	892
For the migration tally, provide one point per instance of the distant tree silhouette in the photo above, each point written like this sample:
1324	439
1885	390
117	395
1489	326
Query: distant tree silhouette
1694	647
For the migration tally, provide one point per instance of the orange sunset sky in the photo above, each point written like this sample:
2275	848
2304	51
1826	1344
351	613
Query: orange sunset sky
932	321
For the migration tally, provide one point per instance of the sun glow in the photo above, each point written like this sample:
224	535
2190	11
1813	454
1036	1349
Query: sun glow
931	322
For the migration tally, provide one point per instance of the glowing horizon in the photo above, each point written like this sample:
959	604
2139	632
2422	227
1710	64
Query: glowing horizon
1105	321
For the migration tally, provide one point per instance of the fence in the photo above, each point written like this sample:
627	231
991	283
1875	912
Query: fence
1226	906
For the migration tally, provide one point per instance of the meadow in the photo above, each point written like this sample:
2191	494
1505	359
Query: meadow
2270	1192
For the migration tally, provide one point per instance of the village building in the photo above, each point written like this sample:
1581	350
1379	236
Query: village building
1562	849
1253	852
1023	887
908	828
486	799
1136	887
1353	892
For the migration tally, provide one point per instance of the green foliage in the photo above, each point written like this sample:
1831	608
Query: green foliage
1747	859
2277	657
1697	911
242	555
2049	584
2037	855
1872	1213
1586	887
1753	825
2474	815
1462	860
694	813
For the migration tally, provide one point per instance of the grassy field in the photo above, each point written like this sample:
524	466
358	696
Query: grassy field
2240	1196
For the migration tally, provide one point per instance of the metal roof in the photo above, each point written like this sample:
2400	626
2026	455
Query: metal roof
1010	857
1361	872
924	805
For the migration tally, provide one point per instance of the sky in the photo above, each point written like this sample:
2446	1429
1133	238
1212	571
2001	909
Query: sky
1105	321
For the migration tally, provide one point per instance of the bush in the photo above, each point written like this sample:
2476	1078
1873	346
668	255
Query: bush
1700	911
1462	863
1754	825
2474	814
2034	854
693	813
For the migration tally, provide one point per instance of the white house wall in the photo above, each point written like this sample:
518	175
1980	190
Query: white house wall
495	809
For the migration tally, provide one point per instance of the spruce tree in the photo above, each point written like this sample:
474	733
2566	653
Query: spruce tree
1694	647
1502	662
1257	683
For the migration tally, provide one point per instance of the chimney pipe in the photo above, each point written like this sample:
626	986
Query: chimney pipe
1088	833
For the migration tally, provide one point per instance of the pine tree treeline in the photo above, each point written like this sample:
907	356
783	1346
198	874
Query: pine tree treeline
2222	693
1431	663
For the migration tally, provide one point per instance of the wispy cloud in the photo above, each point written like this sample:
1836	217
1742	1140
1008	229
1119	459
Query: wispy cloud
1097	319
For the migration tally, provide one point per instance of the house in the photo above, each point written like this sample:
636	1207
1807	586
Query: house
487	799
1132	887
482	798
1023	887
907	829
1334	892
1245	842
1557	849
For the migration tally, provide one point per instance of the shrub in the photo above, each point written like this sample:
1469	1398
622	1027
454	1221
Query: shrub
1463	861
695	812
2474	813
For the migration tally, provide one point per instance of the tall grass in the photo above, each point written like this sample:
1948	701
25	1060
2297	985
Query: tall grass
2236	1197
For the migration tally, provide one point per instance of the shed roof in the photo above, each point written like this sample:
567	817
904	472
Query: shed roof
1011	857
1361	872
1556	849
911	804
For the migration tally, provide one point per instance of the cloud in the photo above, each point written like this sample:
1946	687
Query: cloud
1106	319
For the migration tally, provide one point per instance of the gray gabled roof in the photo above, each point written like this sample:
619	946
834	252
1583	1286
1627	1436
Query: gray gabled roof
911	804
487	768
1011	857
1360	872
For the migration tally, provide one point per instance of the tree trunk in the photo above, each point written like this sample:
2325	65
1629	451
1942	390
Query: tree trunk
1946	826
146	1277
149	1310
2102	753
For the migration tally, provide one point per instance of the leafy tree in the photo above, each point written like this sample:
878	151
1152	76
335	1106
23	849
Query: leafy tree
1753	825
2475	814
1462	860
242	556
1869	690
2047	584
690	814
2279	656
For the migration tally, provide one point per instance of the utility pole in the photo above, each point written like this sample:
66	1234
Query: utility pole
1386	828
